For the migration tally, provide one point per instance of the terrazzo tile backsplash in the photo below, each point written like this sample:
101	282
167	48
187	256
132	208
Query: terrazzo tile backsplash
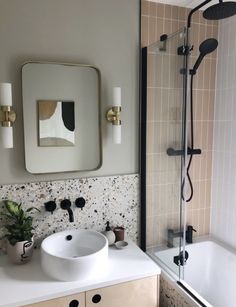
114	199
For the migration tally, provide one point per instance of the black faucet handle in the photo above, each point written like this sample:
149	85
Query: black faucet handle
189	234
80	202
50	206
65	204
190	228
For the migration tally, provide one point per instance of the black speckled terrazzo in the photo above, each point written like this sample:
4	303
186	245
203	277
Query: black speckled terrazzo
113	198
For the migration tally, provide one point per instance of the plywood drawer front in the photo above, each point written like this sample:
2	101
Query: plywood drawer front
66	301
138	293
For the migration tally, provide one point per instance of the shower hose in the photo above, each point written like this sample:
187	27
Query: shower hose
191	147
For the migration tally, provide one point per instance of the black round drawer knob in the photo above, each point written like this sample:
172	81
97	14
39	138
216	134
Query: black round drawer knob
74	303
96	298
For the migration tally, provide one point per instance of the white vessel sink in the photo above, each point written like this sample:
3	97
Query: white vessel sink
74	254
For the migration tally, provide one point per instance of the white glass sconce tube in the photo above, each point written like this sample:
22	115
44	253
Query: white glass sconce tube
113	115
7	137
117	125
116	133
7	115
5	94
116	97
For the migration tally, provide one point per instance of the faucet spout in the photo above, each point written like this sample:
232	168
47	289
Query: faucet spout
171	235
71	215
66	205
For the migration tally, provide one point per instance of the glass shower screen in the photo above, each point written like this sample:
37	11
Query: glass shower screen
164	157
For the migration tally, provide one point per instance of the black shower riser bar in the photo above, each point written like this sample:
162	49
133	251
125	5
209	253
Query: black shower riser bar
173	152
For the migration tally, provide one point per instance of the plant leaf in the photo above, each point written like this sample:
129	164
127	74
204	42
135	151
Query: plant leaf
32	208
12	207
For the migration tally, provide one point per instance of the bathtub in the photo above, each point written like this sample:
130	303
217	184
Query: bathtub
210	272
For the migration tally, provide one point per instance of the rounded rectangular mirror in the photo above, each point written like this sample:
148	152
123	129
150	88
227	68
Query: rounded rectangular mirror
61	109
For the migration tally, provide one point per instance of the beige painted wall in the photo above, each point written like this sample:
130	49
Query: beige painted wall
103	33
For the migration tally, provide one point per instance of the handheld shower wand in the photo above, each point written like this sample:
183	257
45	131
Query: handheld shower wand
206	47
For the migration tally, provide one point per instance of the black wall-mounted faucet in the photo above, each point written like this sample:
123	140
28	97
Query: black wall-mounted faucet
66	205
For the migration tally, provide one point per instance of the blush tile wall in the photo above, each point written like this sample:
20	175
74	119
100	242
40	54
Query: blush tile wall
164	117
198	210
223	215
114	199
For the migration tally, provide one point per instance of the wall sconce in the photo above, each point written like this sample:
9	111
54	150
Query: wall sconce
113	115
7	115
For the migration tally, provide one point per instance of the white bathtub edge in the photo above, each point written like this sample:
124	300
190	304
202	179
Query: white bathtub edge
171	278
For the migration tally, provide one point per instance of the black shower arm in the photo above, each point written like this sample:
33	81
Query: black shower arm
194	10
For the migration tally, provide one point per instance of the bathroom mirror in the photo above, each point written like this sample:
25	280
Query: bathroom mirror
61	109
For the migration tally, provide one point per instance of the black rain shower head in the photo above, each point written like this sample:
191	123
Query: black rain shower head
215	12
207	46
220	10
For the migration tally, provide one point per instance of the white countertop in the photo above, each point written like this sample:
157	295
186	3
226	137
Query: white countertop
27	284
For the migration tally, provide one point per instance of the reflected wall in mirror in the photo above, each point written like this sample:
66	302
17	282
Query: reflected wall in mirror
56	123
61	108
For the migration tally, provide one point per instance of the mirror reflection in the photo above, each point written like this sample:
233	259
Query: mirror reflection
56	121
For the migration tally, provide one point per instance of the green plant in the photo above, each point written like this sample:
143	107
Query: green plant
19	223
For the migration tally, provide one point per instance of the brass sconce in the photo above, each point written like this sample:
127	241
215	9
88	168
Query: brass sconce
114	115
7	115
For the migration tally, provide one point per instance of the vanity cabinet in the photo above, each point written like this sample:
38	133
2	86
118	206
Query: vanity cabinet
75	300
139	293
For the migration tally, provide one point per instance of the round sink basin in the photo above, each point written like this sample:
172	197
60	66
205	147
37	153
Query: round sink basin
74	254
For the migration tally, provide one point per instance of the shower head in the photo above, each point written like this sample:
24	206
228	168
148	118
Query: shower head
217	11
220	10
207	46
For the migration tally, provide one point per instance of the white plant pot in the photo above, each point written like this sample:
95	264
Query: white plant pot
21	252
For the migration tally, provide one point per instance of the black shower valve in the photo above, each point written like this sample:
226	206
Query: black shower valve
80	202
50	206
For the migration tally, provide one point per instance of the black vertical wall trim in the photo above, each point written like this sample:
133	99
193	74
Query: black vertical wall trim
143	120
